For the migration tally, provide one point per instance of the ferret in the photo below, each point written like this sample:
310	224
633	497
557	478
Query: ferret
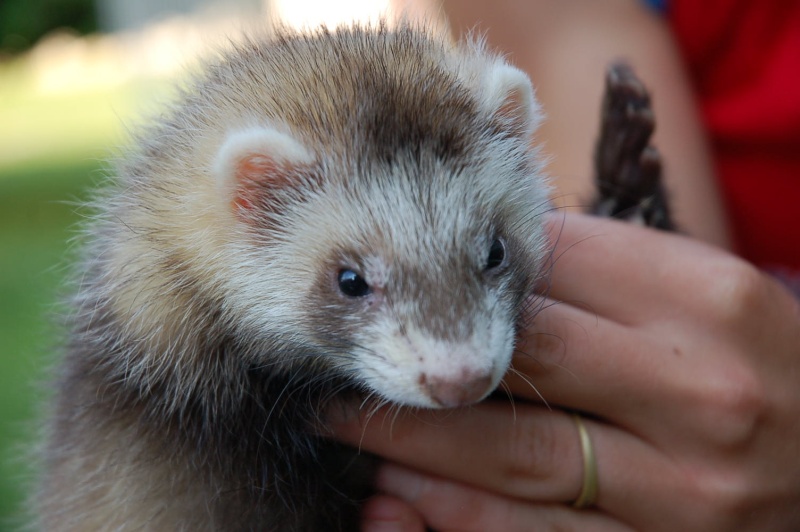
349	214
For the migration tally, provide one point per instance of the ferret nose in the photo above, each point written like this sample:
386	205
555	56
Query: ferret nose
452	392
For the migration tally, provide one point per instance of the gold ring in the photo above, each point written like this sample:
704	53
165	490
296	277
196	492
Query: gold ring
588	495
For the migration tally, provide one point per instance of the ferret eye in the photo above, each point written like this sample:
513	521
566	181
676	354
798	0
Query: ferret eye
353	285
497	255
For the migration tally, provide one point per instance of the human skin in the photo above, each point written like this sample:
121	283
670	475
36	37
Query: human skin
566	46
684	361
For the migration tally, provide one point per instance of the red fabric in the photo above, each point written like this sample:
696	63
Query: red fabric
744	58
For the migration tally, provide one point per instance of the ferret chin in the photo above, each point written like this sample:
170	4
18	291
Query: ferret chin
346	213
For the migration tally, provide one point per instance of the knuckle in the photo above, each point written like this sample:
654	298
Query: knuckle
539	353
736	405
733	290
533	453
722	498
545	341
549	343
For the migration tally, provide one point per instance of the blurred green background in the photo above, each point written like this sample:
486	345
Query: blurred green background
65	140
67	95
24	22
53	145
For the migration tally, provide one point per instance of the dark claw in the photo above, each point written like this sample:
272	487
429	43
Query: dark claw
628	168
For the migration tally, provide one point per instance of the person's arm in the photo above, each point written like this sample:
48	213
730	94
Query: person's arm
565	46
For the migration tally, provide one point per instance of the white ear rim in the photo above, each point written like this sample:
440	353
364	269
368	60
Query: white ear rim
255	142
505	80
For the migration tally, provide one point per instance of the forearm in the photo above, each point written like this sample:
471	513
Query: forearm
565	46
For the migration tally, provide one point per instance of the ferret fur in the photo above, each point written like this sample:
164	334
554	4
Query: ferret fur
208	335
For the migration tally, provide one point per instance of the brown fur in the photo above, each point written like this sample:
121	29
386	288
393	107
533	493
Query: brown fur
206	342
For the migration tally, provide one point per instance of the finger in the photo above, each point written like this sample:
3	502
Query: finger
390	514
575	359
620	270
448	505
527	452
533	454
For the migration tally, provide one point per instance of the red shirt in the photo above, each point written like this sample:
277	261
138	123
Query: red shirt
744	59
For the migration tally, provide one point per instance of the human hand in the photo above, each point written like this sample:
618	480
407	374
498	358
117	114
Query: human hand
683	360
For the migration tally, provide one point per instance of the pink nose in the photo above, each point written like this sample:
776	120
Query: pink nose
453	392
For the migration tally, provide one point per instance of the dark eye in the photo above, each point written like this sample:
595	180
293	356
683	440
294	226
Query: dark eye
497	255
353	285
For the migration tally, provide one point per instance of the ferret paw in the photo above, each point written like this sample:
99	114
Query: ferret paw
628	168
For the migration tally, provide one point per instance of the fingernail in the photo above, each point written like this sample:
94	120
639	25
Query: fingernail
384	513
379	517
400	482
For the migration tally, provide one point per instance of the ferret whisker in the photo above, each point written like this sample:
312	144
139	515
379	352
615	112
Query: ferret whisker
527	380
376	407
540	304
366	400
394	412
379	404
510	396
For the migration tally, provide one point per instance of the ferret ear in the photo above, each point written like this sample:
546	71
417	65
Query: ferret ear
252	162
510	94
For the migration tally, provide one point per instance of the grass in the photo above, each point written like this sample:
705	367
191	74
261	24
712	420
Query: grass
51	152
35	225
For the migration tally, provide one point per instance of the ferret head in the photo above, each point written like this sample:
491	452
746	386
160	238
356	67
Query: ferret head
371	197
